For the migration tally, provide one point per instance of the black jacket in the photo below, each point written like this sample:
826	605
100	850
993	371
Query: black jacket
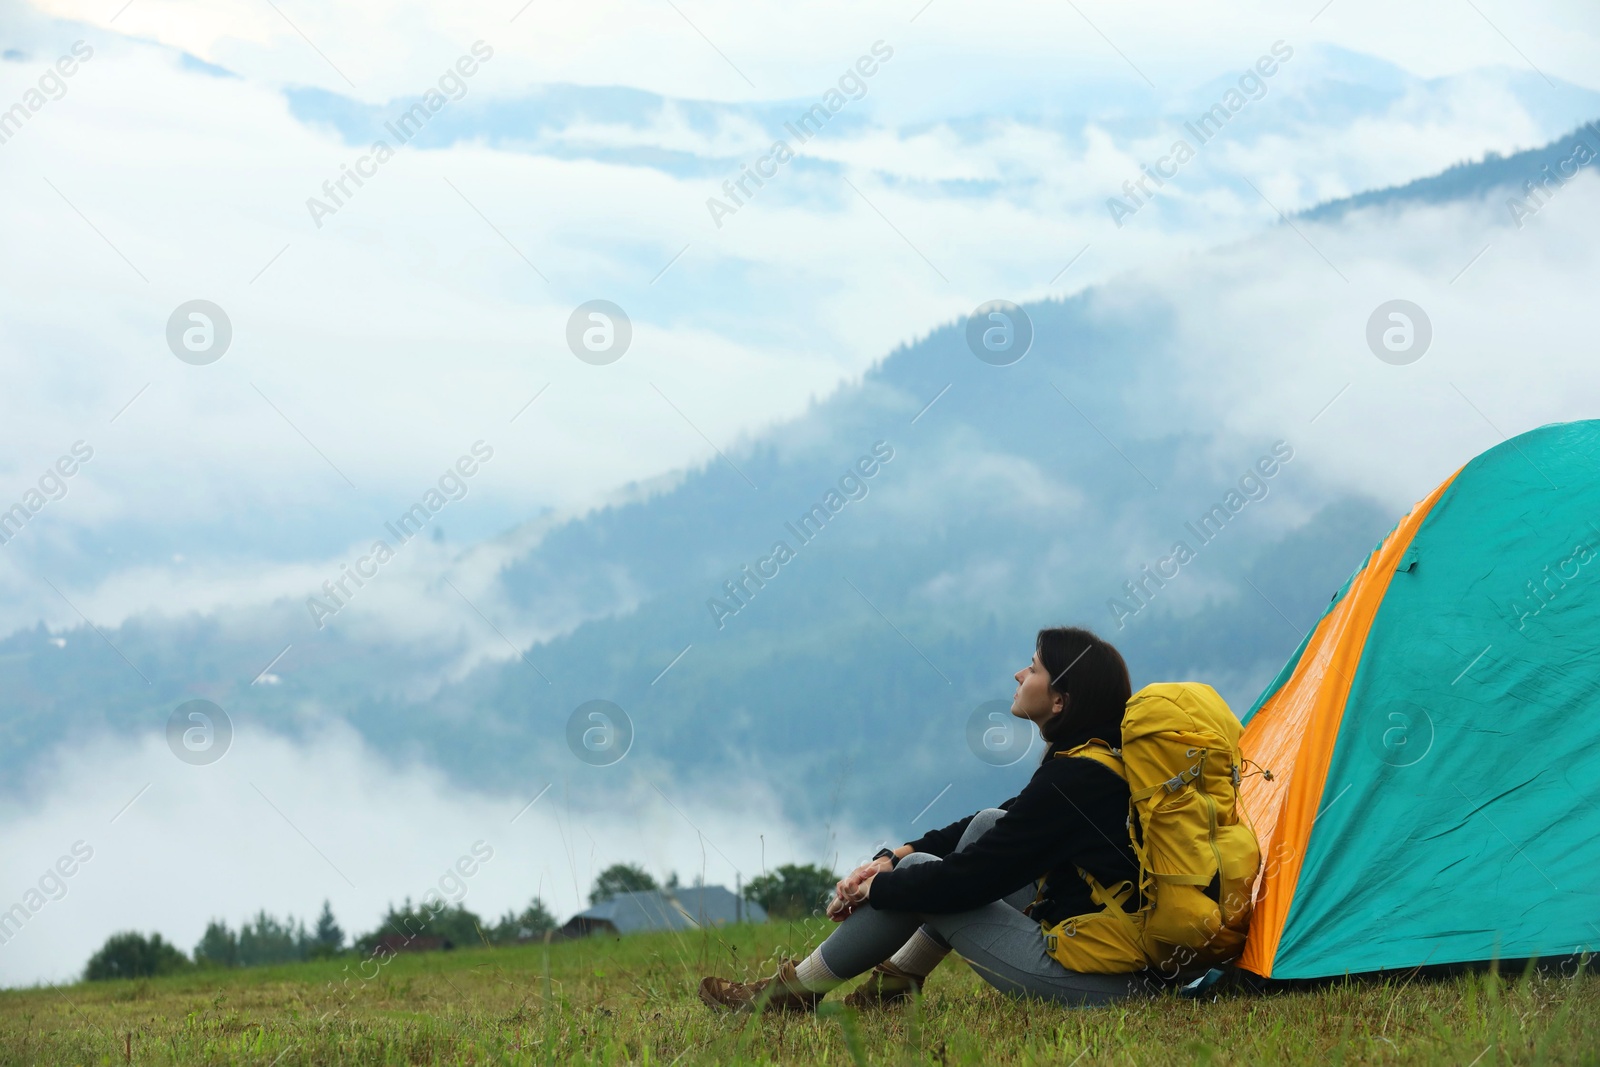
1072	813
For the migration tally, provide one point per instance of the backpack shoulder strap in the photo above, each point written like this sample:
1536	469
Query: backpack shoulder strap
1112	899
1101	752
1108	757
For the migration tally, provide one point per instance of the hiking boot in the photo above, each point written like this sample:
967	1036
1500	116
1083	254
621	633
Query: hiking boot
781	992
886	985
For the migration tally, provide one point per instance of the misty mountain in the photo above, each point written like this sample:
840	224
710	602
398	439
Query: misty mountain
1000	499
1530	177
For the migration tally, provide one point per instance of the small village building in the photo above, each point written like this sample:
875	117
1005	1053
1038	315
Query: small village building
684	908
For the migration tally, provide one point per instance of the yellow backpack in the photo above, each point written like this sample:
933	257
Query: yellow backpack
1197	861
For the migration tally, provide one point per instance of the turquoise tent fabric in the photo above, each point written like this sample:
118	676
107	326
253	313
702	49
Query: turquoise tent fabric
1460	815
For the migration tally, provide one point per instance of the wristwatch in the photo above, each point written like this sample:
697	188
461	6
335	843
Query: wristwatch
887	854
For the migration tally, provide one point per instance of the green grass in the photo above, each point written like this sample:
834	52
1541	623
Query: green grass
633	1000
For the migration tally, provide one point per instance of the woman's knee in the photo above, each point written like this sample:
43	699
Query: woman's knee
980	824
914	858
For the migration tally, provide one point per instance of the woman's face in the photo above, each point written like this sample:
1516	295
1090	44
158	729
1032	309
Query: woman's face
1034	699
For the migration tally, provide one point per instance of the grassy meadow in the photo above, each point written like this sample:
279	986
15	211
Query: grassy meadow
609	1000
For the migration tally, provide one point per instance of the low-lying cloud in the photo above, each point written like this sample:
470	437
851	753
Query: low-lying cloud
155	844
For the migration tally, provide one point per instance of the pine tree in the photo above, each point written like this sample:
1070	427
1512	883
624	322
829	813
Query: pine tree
534	921
219	947
329	937
267	940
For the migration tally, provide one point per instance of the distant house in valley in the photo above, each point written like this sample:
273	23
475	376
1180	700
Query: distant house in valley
712	905
684	908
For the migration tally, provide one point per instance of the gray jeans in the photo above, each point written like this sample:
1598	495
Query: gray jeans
1003	945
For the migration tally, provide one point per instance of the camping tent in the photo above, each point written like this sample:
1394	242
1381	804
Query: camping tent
1434	742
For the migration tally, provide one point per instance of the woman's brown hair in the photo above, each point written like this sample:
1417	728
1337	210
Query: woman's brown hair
1091	674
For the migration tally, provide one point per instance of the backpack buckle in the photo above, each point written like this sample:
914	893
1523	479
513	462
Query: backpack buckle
1183	778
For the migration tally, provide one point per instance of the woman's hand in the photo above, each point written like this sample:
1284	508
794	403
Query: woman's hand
846	904
859	875
850	891
841	906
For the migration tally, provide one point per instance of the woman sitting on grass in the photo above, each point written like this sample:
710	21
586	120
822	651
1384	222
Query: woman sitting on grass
972	885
